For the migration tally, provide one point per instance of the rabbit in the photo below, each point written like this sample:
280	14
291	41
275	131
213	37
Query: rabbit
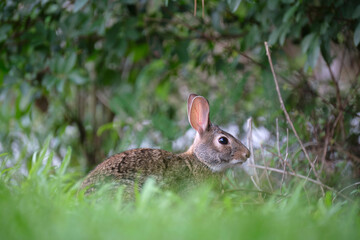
212	152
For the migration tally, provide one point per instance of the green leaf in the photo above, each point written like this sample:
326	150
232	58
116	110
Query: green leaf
274	36
290	12
153	6
284	31
53	8
313	54
4	29
233	4
48	163
272	5
37	159
306	42
59	64
108	126
163	90
356	13
328	199
182	51
65	162
70	62
357	35
325	50
77	78
79	4
140	52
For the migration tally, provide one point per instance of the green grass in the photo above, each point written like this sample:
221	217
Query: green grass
46	205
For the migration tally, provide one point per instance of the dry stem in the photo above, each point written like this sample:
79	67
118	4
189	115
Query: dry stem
288	117
302	177
251	159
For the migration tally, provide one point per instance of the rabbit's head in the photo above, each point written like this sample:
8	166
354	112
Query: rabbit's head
214	147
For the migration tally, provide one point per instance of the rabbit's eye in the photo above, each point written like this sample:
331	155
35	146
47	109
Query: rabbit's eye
223	140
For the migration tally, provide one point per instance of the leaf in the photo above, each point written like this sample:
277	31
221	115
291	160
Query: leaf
313	54
272	5
4	29
287	1
284	31
37	158
59	64
233	4
48	163
140	51
274	36
153	6
306	42
328	199
79	4
356	13
108	126
357	35
65	162
77	78
290	12
70	63
325	50
182	51
53	8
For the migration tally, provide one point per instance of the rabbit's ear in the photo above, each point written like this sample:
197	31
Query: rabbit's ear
199	114
190	100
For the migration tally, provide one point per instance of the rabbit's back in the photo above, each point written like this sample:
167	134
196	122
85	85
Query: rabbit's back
137	165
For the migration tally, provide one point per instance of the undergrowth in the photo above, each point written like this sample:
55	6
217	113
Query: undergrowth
46	204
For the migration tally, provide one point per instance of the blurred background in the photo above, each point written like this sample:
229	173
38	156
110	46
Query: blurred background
103	76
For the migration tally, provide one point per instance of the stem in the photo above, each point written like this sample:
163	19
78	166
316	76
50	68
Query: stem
288	117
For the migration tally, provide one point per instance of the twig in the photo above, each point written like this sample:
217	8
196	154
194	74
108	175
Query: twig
342	63
278	149
285	160
202	4
195	3
338	99
352	185
302	177
277	138
251	159
288	117
327	137
338	96
256	191
228	180
350	155
287	145
266	172
308	144
304	184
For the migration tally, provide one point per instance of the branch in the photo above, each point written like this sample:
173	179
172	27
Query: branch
288	117
255	191
302	177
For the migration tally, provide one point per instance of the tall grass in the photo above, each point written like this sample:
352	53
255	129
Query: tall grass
46	204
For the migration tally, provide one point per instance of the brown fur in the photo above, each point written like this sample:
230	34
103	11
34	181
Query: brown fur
205	158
